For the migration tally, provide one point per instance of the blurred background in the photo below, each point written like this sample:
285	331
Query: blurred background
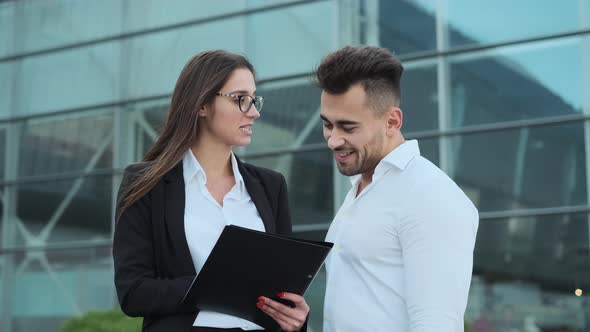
497	92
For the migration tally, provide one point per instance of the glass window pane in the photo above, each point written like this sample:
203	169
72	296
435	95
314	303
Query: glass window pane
72	78
49	23
64	210
527	269
61	144
515	83
484	22
143	14
522	168
303	34
429	149
72	281
3	131
52	23
290	117
287	112
167	52
150	117
407	26
309	181
6	88
6	29
419	96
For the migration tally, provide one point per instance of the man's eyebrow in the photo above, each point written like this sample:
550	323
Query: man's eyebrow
340	122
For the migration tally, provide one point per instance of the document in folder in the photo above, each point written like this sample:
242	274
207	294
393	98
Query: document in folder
246	264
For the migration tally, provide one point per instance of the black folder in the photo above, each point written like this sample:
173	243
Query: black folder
246	264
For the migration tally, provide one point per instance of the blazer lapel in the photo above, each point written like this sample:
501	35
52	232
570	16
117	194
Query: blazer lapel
259	198
174	209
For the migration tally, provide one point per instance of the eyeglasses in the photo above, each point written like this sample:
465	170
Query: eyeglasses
245	102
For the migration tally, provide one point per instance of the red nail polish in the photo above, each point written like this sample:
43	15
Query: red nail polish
259	305
261	299
281	294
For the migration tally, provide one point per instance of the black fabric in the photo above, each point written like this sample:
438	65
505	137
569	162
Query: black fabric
153	264
213	329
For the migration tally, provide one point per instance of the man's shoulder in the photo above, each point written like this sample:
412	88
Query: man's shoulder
429	179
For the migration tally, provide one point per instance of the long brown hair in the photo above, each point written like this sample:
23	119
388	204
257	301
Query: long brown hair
201	78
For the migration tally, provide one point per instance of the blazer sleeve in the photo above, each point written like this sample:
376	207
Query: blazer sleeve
283	213
139	290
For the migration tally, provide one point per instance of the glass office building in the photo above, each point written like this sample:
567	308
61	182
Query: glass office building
496	92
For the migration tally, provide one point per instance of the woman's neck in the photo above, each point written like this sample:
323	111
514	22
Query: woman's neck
214	157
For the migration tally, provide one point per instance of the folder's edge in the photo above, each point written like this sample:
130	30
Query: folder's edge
318	270
322	244
188	291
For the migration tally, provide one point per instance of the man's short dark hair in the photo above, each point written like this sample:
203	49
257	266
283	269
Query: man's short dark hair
376	68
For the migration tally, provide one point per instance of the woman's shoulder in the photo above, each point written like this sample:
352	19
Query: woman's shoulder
262	173
136	168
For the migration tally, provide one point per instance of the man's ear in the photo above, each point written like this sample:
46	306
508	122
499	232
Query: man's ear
395	119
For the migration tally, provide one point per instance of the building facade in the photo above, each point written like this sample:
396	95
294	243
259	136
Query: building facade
496	92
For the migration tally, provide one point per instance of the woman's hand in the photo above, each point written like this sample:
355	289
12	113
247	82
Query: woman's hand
290	319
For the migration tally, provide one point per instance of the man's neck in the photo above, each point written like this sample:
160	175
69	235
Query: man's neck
367	177
366	180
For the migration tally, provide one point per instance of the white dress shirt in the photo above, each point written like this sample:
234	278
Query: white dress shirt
204	220
403	250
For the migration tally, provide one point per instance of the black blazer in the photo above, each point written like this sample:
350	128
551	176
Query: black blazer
153	264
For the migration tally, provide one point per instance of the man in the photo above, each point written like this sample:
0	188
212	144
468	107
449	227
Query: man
405	234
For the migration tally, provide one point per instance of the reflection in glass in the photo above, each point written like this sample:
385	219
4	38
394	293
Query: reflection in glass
64	211
303	34
407	26
419	97
72	282
523	168
51	23
3	132
72	78
484	22
291	117
57	145
6	88
6	30
429	149
527	269
309	181
517	83
165	53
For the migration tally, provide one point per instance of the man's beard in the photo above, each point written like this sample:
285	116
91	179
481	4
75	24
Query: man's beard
370	163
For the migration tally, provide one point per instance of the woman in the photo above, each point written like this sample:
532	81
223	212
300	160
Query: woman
173	206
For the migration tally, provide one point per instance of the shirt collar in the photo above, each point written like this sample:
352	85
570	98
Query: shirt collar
192	168
399	157
237	174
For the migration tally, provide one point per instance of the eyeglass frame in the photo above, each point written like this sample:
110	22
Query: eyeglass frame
239	97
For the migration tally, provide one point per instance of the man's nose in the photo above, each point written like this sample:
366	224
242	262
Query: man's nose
334	142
